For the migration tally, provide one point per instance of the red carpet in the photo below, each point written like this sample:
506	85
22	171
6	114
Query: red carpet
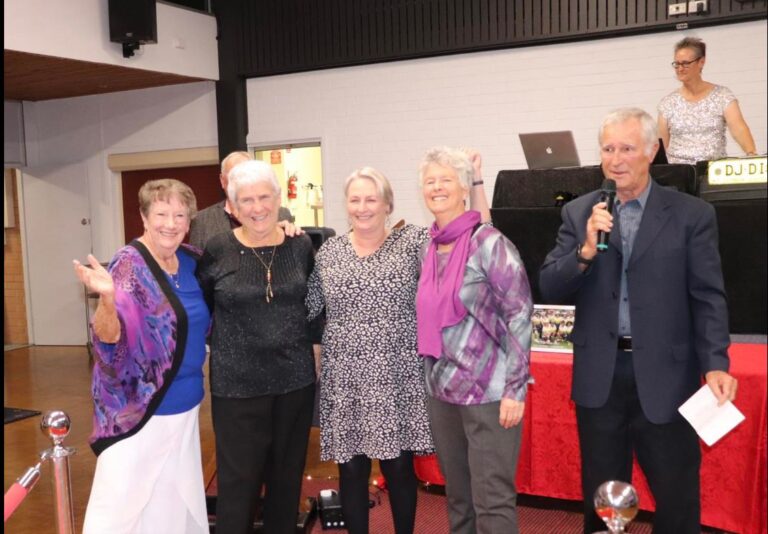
535	515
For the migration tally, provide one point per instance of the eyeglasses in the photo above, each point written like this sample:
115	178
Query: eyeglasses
684	64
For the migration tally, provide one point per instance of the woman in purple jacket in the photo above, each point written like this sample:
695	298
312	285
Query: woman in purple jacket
473	310
149	338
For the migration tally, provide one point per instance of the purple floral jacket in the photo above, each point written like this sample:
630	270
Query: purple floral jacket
130	377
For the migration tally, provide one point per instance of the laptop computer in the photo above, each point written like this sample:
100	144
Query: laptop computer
549	150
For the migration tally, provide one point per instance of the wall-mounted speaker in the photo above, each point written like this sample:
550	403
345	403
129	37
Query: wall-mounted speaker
133	21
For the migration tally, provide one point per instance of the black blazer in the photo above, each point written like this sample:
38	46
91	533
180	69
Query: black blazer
677	300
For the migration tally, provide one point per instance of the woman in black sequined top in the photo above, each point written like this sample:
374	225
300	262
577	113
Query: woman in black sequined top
262	366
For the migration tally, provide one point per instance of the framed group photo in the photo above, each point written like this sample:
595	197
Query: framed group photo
552	327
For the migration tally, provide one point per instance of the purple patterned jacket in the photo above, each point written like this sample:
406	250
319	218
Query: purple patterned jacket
130	377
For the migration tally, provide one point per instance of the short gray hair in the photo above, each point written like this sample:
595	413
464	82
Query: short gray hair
238	154
383	187
248	173
454	158
619	116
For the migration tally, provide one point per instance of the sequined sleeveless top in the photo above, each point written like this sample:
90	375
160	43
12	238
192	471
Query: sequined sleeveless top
696	129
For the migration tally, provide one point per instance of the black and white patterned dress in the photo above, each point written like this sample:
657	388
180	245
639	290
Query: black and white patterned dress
372	394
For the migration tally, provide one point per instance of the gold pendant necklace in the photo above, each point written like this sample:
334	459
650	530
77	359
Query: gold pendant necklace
268	268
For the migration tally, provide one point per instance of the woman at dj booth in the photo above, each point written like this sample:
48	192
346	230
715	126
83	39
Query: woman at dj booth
692	119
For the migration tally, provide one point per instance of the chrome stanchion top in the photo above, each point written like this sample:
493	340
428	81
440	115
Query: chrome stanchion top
56	425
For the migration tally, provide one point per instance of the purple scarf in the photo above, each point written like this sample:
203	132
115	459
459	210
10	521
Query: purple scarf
437	301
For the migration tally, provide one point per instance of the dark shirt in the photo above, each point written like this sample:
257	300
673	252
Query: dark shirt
215	220
259	347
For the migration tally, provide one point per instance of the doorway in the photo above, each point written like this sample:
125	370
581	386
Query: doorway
299	172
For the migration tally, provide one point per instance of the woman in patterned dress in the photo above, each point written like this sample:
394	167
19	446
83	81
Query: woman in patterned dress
692	119
372	398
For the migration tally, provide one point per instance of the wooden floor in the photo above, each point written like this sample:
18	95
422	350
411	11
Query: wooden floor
58	378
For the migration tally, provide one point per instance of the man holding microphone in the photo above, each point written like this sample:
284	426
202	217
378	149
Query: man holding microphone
651	320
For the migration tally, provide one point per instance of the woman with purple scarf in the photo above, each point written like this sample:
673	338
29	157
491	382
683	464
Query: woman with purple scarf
473	309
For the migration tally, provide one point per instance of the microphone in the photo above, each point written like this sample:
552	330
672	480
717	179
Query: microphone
607	195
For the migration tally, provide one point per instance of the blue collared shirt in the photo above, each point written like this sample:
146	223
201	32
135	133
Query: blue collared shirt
628	217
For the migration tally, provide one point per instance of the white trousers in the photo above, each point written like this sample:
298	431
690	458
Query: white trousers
151	482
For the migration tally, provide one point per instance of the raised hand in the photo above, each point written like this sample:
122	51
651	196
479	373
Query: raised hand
96	278
477	162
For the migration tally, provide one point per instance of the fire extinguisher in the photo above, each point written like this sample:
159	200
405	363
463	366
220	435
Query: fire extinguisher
293	192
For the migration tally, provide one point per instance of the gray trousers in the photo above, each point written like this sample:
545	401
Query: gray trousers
478	458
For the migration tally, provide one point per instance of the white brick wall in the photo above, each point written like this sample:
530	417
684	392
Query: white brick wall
387	115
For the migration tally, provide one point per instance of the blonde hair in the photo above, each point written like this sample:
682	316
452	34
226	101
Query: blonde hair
163	189
383	187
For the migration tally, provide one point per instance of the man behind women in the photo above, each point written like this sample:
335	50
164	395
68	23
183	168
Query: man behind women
474	329
262	365
220	217
692	119
149	342
651	319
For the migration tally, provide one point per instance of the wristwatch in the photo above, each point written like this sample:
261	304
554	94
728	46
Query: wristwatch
581	259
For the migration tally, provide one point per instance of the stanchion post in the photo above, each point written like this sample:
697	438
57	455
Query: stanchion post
56	426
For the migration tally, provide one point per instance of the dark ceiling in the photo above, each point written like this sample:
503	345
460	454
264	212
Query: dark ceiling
36	77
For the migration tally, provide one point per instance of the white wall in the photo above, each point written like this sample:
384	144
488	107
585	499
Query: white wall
387	115
67	179
13	134
79	29
86	130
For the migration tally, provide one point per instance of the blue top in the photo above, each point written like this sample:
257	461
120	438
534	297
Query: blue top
629	217
186	391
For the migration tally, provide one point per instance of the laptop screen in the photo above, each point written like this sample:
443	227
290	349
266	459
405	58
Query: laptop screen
549	150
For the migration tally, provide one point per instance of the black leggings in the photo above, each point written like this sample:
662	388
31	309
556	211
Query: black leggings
401	484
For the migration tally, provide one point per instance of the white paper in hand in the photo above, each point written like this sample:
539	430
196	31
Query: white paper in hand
710	421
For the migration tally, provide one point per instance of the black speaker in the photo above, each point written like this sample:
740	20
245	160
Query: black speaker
680	177
544	187
743	233
318	234
331	516
554	187
133	21
533	231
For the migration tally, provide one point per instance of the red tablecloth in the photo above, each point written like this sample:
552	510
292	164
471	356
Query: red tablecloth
733	471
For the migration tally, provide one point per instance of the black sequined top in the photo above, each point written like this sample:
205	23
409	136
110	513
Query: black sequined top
259	347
